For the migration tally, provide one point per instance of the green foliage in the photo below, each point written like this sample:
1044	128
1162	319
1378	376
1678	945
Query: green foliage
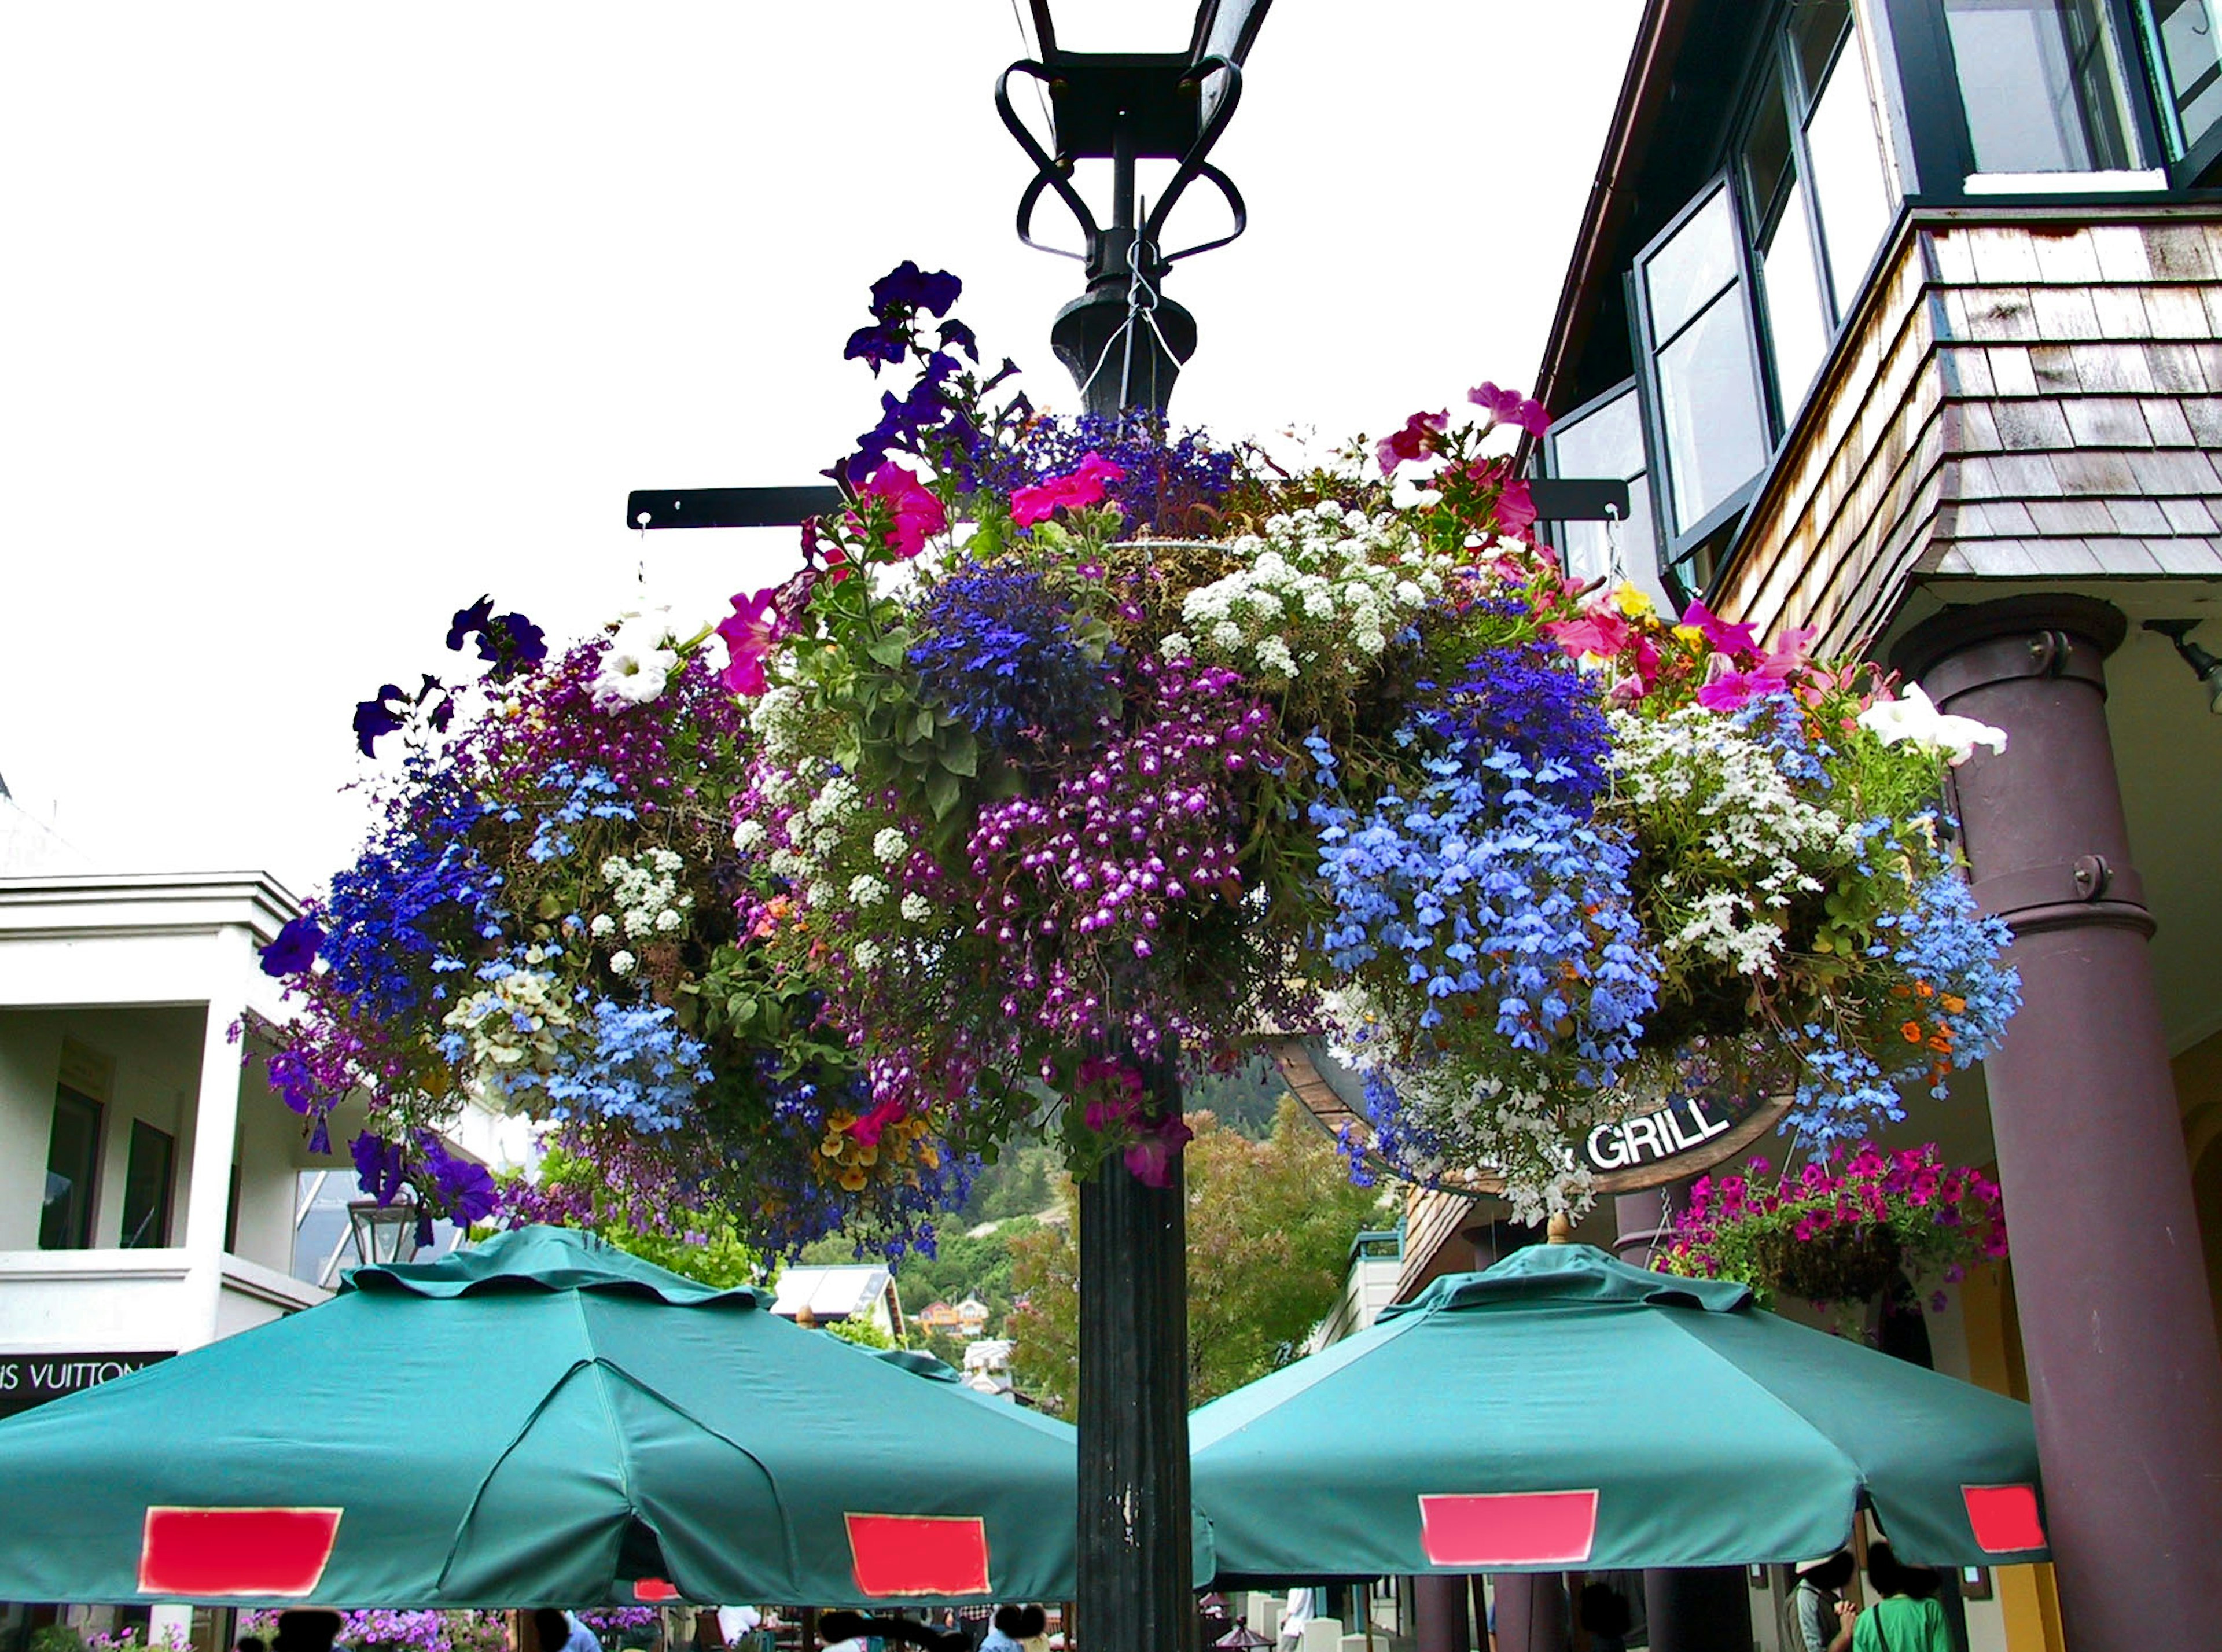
1270	1226
703	1244
862	1331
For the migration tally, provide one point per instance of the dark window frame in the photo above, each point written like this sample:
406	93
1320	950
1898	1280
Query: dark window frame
1546	461
1675	550
163	1210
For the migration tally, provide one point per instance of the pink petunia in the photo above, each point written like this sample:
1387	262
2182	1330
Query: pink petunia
917	511
750	633
1600	632
1415	439
1151	1160
1729	639
1510	407
868	1129
1515	508
1079	488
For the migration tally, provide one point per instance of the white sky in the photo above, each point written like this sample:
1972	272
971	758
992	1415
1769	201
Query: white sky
317	321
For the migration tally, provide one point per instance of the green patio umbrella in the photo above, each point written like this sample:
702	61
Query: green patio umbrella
1565	1410
542	1421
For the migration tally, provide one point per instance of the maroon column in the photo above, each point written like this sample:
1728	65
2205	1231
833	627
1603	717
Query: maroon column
2116	1324
1531	1611
1439	1604
1687	1608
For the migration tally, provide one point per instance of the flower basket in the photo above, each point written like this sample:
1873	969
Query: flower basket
1076	752
1846	1265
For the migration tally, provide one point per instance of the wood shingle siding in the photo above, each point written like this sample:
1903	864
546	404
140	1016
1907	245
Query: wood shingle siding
2016	396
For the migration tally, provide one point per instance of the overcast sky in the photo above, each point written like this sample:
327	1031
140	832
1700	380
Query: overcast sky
317	321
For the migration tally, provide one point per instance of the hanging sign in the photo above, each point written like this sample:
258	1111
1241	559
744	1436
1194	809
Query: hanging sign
1688	1134
28	1380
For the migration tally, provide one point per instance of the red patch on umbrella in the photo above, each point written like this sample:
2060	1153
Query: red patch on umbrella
197	1553
1508	1529
919	1554
2005	1517
652	1589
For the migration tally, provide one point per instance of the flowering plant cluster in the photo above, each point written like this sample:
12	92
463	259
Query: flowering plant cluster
1078	754
1843	1228
404	1631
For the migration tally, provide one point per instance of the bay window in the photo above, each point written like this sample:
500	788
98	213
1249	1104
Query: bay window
2041	85
2181	42
1604	440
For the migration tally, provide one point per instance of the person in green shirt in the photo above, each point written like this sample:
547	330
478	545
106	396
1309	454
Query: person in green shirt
1906	1616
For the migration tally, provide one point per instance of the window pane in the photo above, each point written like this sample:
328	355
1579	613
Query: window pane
1715	437
73	1160
1796	322
1766	152
2190	64
2038	83
1815	28
1609	442
147	1187
1693	268
1849	182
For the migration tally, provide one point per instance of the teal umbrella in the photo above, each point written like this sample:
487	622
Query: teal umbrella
1566	1411
542	1421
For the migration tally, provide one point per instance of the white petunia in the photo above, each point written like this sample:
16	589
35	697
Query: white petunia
1913	717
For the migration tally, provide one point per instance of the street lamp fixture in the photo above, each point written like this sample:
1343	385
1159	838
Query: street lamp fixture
2206	667
1122	340
383	1233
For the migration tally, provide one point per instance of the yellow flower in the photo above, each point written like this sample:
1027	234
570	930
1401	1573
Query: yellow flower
1690	634
1633	602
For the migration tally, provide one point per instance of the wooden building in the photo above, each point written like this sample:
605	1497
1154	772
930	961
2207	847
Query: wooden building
1904	320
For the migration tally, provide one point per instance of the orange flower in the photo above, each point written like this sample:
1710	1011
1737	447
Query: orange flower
1911	1031
1924	989
1954	1004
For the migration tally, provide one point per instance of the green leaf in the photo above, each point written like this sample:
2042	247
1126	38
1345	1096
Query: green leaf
942	789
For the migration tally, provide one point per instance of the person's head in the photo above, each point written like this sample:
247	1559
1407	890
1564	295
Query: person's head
1010	1620
1884	1574
552	1627
1032	1620
1603	1611
305	1630
1831	1574
248	1643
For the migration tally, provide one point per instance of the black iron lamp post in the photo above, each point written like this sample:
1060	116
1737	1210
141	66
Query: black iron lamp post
1122	340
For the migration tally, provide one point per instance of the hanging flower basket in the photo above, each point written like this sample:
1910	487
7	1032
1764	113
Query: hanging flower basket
1075	754
1844	1230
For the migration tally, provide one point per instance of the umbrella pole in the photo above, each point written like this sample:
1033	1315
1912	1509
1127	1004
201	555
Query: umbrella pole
1136	1587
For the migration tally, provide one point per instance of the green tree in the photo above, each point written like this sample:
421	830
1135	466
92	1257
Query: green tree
1269	1225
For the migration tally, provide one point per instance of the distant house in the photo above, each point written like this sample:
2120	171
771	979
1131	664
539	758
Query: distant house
971	1318
938	1315
860	1291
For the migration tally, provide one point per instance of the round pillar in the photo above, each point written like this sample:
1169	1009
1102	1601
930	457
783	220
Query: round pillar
1439	1607
2116	1328
1688	1608
1531	1611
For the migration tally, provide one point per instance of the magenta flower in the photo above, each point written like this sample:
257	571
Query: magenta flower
750	633
917	511
1510	407
1515	508
1082	486
1599	631
1728	639
1151	1160
1414	439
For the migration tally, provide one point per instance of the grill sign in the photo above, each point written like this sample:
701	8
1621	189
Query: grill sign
28	1380
1681	1126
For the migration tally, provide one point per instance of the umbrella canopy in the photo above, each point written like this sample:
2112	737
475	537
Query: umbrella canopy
543	1420
1565	1409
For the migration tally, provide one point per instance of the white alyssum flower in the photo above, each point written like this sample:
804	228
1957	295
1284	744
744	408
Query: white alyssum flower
1175	648
864	954
603	927
889	845
749	835
916	908
647	892
1913	717
866	891
623	962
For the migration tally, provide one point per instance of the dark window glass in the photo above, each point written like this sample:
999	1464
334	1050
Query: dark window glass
1608	442
147	1187
2040	86
2181	38
1816	27
73	1162
1766	162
